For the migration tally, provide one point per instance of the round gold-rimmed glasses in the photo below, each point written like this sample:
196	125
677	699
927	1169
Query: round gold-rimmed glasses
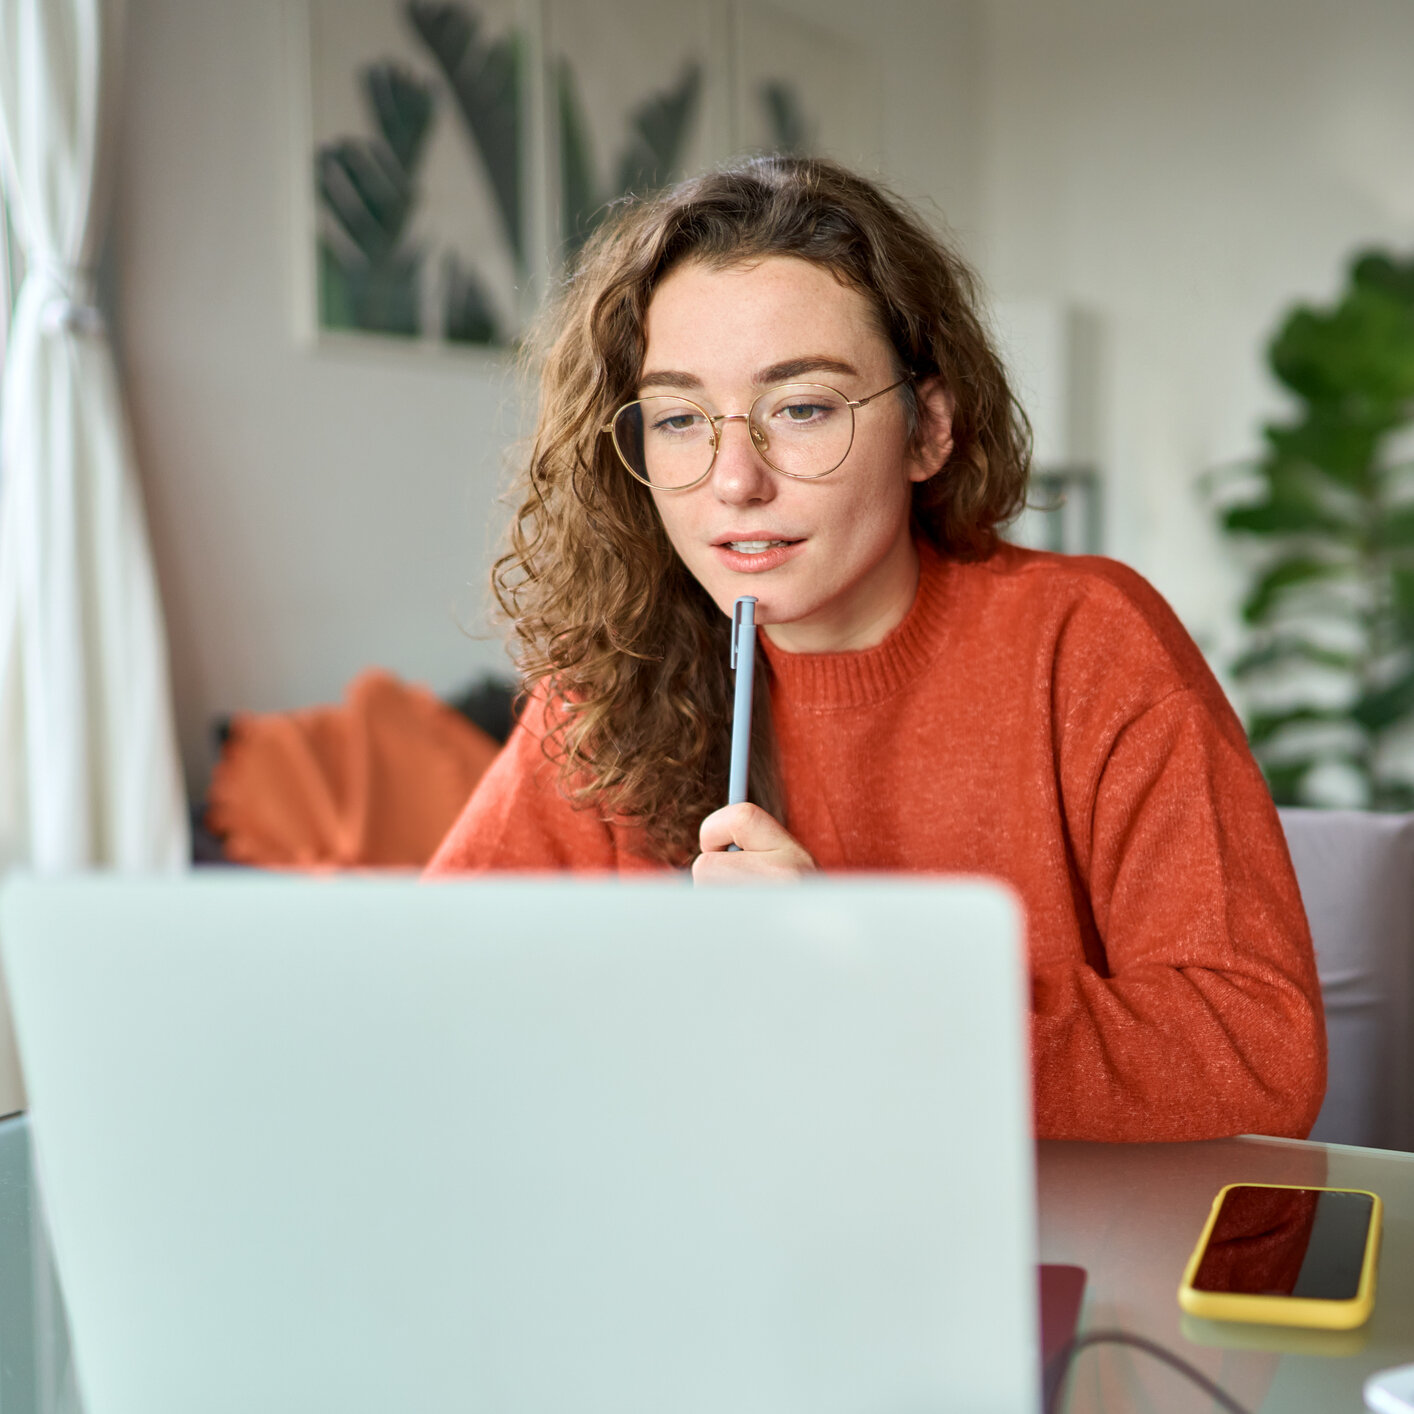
802	430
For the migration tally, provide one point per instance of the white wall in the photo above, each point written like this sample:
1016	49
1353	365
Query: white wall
1186	171
314	513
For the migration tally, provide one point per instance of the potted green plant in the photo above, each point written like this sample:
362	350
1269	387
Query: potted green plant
1328	671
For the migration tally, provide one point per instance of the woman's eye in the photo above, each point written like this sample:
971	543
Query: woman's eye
803	412
675	422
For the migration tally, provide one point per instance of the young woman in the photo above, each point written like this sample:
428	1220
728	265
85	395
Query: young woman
773	380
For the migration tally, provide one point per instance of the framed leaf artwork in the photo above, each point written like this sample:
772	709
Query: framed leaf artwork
419	118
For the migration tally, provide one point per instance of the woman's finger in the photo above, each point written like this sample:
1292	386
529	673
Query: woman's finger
746	826
768	866
766	850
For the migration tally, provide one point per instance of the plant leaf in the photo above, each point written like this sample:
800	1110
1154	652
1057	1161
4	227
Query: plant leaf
336	299
1291	652
1395	529
485	80
790	134
468	315
1392	795
383	298
364	189
1402	584
1285	515
402	110
1327	444
1382	707
1262	727
658	134
1283	576
1376	269
1360	355
1284	780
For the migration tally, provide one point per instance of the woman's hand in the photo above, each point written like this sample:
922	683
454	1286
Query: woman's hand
767	852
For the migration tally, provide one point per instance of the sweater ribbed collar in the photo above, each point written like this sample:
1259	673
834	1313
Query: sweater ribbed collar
871	675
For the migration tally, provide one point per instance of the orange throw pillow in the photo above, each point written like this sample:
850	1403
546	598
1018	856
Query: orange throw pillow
375	782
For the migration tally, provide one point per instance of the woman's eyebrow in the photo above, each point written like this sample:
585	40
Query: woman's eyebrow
794	367
765	378
669	378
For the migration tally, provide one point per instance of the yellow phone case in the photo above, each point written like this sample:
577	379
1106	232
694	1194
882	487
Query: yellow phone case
1285	1310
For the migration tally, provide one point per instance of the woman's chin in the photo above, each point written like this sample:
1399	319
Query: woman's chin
770	610
724	596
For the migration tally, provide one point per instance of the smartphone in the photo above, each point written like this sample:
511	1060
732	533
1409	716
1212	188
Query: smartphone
1286	1256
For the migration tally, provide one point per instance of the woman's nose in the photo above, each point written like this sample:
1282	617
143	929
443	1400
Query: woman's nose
739	474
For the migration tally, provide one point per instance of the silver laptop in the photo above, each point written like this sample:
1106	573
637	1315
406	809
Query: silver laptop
533	1146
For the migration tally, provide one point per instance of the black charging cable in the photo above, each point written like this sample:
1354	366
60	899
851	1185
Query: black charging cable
1059	1366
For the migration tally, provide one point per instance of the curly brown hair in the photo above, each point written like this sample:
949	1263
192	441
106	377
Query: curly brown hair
626	647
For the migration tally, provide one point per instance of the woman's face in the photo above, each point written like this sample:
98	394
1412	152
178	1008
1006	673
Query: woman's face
831	562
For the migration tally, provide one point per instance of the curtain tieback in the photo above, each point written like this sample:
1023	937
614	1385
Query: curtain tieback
70	305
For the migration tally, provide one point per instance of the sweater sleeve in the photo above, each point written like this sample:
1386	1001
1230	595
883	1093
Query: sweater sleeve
519	819
1203	1015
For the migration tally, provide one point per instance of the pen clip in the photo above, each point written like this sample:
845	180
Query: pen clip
738	619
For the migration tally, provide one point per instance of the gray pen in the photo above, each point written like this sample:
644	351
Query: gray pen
744	665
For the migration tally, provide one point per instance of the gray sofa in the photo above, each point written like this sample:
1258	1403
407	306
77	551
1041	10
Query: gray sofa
1356	872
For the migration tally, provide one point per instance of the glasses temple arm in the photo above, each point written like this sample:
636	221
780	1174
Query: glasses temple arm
860	402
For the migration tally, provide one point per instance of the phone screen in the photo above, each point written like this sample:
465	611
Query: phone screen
1302	1242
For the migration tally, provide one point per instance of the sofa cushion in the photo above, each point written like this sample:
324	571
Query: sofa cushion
1356	872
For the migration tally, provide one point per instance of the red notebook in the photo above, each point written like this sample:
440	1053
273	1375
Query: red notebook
1062	1290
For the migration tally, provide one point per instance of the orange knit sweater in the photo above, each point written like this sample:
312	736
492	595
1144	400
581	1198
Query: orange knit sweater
1045	720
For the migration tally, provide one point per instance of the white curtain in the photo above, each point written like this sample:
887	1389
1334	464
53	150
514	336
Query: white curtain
89	773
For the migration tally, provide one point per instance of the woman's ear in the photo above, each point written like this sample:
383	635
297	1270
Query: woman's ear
932	443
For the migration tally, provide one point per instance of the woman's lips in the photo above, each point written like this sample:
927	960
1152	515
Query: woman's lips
755	562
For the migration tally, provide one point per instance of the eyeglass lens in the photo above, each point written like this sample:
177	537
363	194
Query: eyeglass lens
803	430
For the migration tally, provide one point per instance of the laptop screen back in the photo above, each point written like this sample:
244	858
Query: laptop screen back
533	1145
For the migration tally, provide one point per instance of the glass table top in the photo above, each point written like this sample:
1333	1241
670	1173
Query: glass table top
1130	1215
36	1366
